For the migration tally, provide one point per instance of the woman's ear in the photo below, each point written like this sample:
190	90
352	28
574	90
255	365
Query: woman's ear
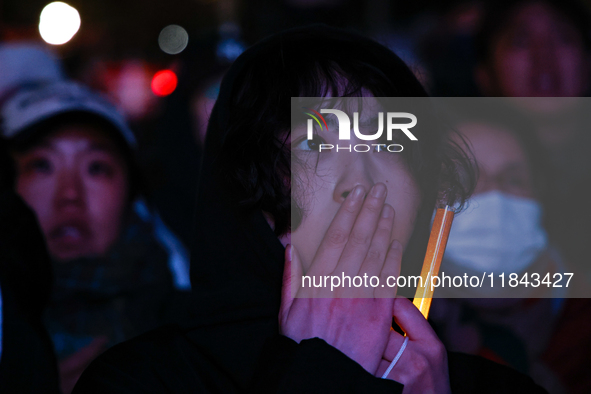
285	239
270	220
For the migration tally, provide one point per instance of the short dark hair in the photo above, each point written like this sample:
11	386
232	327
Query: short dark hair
313	62
498	13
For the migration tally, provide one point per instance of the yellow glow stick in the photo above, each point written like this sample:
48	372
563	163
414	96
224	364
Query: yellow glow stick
435	250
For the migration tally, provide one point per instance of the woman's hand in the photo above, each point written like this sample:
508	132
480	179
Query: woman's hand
423	365
356	243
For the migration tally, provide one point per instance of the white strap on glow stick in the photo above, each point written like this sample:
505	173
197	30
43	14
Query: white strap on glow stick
393	363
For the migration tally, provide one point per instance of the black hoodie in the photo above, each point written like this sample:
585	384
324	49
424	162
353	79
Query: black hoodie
233	343
27	363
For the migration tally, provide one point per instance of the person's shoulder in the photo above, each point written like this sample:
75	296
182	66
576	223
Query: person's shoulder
152	343
159	360
473	374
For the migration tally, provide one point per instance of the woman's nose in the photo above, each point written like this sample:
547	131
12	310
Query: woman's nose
352	175
70	189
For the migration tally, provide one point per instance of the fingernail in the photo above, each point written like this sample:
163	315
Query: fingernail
378	190
387	211
358	192
289	252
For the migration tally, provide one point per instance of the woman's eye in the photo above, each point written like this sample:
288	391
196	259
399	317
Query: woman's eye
516	183
97	168
519	184
311	145
40	165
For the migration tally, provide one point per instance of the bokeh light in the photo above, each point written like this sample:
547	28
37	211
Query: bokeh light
164	83
58	23
173	39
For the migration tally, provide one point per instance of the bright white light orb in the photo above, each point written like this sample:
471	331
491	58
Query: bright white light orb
58	23
173	39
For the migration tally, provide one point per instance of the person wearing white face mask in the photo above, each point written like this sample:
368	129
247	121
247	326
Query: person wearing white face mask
499	233
502	231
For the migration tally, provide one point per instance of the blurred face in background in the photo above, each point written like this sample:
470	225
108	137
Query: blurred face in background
502	163
76	181
501	231
538	53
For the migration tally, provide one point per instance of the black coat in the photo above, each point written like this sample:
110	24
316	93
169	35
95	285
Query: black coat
28	364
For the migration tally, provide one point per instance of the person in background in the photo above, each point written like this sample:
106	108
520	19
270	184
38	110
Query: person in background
27	360
118	270
542	48
533	48
504	231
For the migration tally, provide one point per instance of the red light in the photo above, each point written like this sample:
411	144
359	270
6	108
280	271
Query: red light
164	83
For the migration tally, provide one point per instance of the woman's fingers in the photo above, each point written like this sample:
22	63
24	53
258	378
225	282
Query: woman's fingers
382	367
374	260
357	243
395	341
390	272
362	233
412	321
422	366
337	235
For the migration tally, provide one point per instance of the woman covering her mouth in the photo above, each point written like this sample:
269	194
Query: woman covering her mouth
247	332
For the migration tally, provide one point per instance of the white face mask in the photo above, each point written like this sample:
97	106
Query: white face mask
497	233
